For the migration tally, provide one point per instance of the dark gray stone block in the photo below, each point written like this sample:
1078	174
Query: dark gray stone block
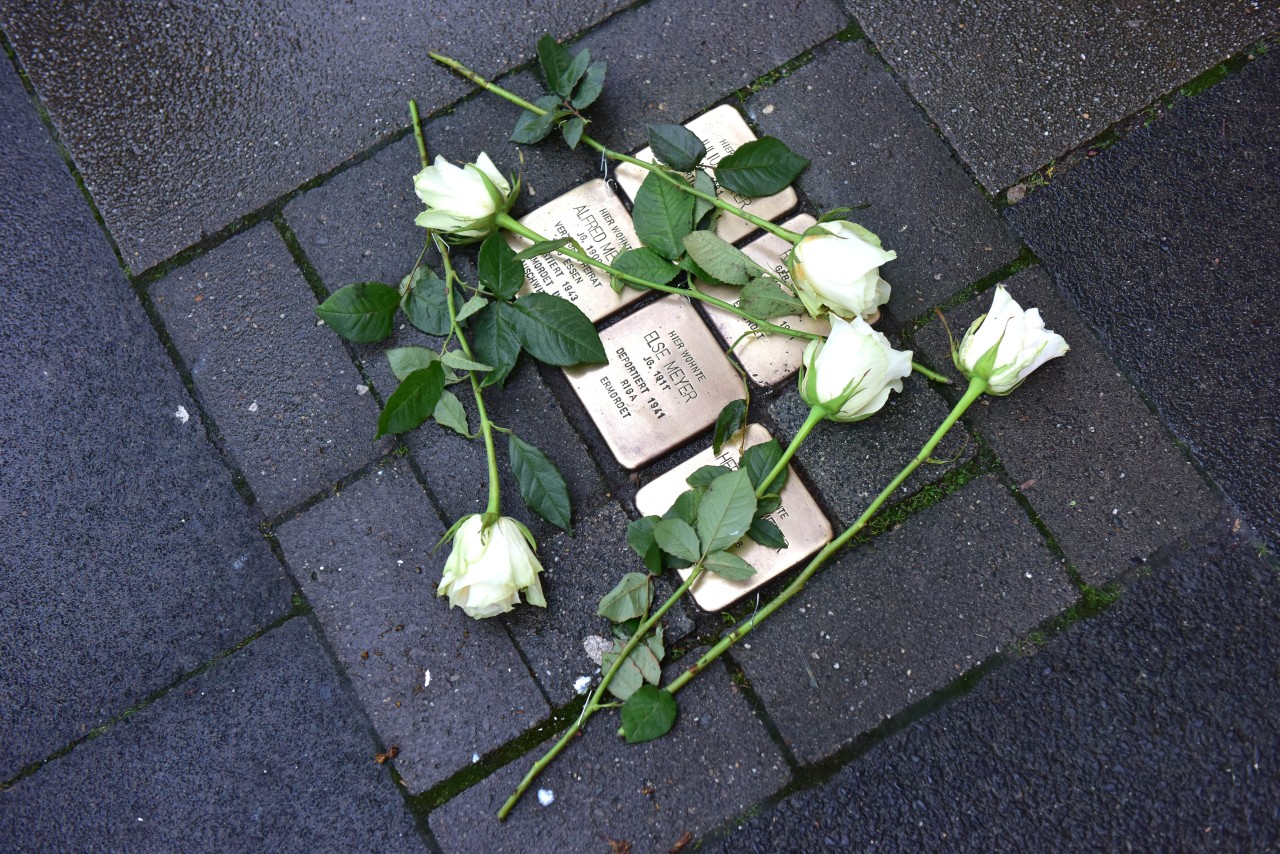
281	388
893	621
1096	465
267	751
1149	726
128	557
870	145
1013	86
366	564
848	464
579	570
201	114
716	762
1168	244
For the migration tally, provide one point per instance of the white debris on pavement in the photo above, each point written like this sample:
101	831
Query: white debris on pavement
546	797
426	679
182	415
253	407
581	684
596	647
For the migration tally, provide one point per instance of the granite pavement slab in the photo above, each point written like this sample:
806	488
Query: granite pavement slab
1014	84
281	388
887	624
1168	243
126	556
266	751
1100	470
870	145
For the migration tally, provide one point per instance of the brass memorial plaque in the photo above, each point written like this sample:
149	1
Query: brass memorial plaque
667	378
768	359
722	131
799	519
595	217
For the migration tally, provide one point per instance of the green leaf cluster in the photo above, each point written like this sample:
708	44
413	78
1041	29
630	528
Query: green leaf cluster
575	82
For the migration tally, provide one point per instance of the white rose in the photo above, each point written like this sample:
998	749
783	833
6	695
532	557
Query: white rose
851	373
462	201
836	267
1023	344
490	567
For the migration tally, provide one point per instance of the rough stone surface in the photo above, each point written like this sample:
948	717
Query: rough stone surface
128	558
281	389
296	91
717	761
1149	726
578	571
848	464
870	145
267	751
365	562
456	468
1178	276
1013	87
895	620
1096	465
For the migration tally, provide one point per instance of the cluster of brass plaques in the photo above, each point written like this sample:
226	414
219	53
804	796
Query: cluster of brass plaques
722	131
666	380
799	518
595	217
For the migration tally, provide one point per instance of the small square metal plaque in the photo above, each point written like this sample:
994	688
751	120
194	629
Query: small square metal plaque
722	131
768	359
799	519
667	379
595	217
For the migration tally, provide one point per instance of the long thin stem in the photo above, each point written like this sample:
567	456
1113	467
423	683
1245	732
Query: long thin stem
594	705
417	134
507	222
928	374
785	234
816	414
494	507
975	390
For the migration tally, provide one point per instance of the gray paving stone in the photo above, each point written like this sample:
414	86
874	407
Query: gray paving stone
267	751
578	571
294	95
1147	727
893	621
456	468
715	762
128	557
848	464
366	564
870	145
280	388
1096	465
1178	276
1013	86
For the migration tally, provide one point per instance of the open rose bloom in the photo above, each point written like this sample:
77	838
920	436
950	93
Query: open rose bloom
1023	344
490	567
836	267
462	200
851	373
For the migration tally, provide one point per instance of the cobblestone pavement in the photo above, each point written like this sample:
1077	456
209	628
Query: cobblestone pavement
219	628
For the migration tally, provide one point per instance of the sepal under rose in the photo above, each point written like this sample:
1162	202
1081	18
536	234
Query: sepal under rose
1006	344
851	373
490	566
464	201
836	267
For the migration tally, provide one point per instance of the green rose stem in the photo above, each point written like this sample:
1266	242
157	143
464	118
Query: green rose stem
977	386
510	224
594	705
785	234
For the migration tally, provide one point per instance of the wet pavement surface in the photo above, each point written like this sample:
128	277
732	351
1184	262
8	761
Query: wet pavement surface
219	628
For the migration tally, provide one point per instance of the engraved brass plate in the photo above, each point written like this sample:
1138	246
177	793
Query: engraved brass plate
595	217
768	359
799	519
722	131
666	380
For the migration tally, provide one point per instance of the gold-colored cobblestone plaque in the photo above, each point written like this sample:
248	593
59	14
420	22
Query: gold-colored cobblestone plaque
667	379
769	359
595	217
722	131
799	519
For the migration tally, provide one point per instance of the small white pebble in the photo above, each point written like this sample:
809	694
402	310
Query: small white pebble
182	415
253	407
426	679
362	389
581	684
475	757
546	797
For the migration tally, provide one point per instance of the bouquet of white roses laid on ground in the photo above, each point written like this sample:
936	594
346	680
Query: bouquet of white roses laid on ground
833	272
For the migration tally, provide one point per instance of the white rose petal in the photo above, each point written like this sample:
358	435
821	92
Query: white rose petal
1024	344
837	269
852	371
490	567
